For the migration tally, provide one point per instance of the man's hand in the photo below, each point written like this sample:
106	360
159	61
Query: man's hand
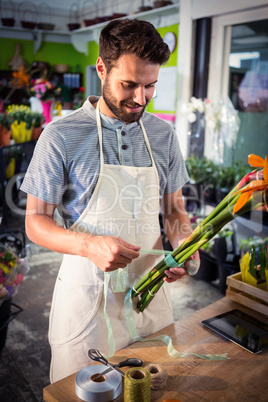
110	253
178	273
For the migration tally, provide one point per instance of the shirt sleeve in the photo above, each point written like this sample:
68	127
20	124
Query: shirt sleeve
45	178
177	173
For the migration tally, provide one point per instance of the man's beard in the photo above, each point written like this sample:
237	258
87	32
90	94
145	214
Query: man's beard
119	111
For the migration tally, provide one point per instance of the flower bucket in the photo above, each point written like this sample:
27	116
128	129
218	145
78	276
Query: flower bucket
36	132
20	133
46	106
5	136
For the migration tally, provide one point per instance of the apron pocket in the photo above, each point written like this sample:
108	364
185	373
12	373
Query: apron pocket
73	308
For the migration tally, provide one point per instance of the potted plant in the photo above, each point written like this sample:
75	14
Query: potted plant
5	129
203	179
38	120
227	177
21	128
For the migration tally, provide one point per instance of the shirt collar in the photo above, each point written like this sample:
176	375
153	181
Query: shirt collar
106	121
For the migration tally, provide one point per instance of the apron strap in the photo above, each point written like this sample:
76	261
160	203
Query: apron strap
98	118
111	342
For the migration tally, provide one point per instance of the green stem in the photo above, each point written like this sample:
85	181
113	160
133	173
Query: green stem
147	297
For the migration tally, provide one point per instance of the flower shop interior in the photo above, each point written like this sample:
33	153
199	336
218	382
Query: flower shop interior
213	91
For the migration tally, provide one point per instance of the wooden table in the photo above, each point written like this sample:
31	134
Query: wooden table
243	377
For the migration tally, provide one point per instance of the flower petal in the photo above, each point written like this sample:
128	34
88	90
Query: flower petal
255	160
255	185
265	170
241	201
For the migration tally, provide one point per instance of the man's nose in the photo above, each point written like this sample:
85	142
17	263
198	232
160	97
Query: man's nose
139	96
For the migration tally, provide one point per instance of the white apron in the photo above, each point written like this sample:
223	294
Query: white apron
125	203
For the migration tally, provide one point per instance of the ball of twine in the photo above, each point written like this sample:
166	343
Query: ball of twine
159	376
137	385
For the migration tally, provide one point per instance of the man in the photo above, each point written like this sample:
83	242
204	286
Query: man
102	170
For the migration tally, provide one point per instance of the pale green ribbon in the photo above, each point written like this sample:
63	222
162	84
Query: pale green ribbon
154	251
130	319
111	341
119	280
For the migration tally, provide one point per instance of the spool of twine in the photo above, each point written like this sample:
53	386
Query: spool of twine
137	385
159	376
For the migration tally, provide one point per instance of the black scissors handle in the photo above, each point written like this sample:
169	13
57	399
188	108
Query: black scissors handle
95	354
132	362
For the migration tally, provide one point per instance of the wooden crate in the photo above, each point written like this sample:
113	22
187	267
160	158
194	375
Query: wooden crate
247	295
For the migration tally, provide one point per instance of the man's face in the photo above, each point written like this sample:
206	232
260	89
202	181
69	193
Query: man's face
128	88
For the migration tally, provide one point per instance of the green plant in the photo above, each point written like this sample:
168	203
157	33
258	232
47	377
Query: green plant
14	151
38	119
224	233
21	113
202	170
227	176
6	120
256	241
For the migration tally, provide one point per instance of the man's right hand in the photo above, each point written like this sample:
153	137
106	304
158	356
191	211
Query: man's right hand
110	253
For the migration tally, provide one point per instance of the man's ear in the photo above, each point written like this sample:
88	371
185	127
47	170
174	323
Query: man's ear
101	69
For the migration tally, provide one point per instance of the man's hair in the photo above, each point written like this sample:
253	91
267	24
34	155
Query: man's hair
129	36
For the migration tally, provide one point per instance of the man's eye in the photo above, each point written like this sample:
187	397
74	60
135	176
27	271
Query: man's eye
129	86
150	86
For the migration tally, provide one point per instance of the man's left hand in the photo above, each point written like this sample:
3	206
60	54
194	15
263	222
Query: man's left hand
178	273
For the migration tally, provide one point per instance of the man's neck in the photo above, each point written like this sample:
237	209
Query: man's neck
103	108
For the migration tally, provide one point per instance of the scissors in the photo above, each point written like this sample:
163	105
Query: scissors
94	354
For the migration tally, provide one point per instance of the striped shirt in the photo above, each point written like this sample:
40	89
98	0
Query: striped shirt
65	165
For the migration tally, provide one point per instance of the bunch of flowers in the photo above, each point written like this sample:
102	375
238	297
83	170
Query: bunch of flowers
250	193
20	80
12	271
216	113
44	89
219	118
193	107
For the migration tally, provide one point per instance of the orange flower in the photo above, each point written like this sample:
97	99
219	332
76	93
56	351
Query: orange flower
255	185
20	78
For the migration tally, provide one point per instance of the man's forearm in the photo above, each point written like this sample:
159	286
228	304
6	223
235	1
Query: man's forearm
176	221
177	227
106	252
43	230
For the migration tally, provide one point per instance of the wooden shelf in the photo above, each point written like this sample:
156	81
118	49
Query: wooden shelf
159	17
79	38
